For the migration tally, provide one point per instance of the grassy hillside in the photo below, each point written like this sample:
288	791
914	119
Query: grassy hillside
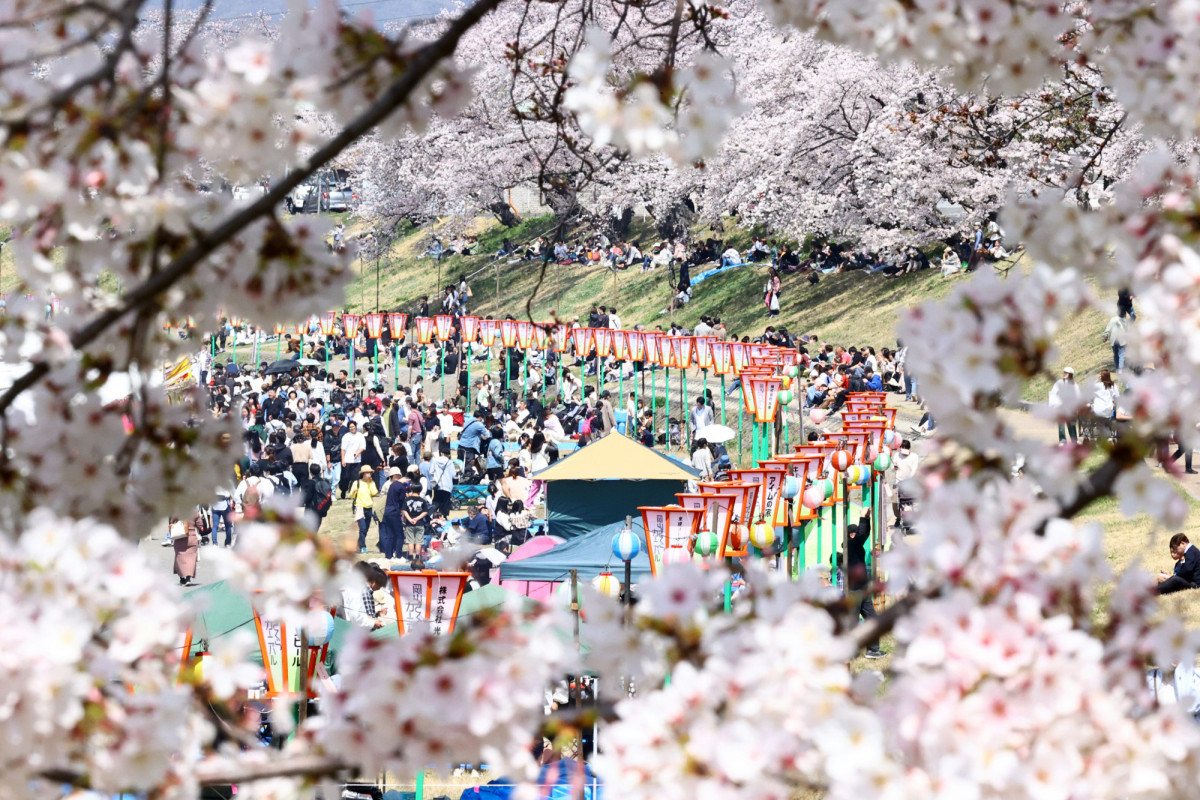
850	308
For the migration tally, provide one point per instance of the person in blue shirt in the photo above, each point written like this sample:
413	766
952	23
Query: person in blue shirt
478	526
873	382
495	455
470	440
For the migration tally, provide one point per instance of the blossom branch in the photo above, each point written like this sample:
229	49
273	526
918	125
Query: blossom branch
147	293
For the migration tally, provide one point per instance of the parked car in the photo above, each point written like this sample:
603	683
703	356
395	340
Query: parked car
249	192
328	190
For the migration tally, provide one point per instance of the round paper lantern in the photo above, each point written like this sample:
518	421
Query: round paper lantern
626	545
762	535
791	371
676	555
707	543
827	487
321	631
785	381
813	496
851	473
738	534
605	584
882	462
817	415
862	475
889	437
785	397
872	453
562	595
841	460
791	486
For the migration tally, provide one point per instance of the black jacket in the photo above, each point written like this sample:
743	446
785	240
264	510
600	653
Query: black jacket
1189	567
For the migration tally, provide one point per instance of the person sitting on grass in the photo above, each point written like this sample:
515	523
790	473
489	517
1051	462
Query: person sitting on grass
1187	567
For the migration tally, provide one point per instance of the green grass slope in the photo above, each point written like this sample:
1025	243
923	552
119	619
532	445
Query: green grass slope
850	308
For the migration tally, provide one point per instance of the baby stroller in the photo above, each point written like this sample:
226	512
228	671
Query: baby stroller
907	505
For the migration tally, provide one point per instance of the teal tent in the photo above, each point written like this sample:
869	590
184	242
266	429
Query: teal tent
590	554
607	481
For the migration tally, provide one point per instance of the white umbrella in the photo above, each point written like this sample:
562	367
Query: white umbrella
716	433
491	554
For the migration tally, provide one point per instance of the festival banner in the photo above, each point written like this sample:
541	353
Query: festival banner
427	600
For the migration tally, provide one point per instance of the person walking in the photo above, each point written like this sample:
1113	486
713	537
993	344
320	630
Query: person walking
700	416
441	479
1116	333
363	494
317	494
354	444
1065	393
391	527
858	577
187	549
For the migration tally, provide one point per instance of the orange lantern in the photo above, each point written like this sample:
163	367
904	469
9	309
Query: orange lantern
350	324
620	344
524	334
637	345
704	352
397	322
766	396
489	329
424	329
328	323
558	337
683	358
374	324
445	326
469	327
603	341
541	337
739	355
508	332
653	342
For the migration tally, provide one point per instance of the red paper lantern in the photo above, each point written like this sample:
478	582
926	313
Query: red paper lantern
841	460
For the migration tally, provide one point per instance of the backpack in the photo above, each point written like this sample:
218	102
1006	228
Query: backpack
323	494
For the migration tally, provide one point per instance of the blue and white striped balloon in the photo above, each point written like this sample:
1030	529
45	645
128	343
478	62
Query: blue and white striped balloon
626	545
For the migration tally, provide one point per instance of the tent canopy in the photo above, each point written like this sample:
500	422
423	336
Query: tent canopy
616	457
576	508
591	554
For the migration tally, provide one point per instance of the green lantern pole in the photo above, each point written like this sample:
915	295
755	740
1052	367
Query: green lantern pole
683	409
753	443
667	407
424	349
525	370
235	331
801	555
722	399
376	382
704	390
395	364
327	356
442	369
820	532
653	400
212	341
467	358
741	400
621	390
278	340
845	533
558	374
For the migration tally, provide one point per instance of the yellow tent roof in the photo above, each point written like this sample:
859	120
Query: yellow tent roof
616	457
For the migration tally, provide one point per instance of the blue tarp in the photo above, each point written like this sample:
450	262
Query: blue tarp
556	781
591	554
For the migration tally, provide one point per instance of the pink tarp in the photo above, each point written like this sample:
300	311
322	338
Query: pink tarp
538	590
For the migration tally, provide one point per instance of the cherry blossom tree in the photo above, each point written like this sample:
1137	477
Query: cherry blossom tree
1014	675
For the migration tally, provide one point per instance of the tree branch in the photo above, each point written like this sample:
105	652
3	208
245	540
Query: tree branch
145	294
